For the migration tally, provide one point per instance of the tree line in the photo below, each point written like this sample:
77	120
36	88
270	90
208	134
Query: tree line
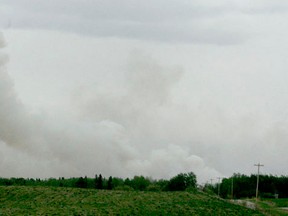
236	186
180	182
244	186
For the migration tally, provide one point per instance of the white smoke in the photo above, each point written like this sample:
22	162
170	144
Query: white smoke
111	133
137	114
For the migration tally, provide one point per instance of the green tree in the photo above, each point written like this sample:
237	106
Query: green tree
100	182
110	183
116	182
182	181
82	182
139	183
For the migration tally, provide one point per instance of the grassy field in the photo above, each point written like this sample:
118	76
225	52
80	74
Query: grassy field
274	206
16	200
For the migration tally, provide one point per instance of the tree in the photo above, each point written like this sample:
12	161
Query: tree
139	183
96	181
191	180
82	182
116	182
100	182
162	183
110	183
182	181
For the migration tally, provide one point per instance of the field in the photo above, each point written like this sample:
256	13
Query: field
24	200
274	206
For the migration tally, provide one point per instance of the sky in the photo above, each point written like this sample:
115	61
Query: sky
150	88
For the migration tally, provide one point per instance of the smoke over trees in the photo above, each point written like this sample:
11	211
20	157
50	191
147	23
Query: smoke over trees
119	125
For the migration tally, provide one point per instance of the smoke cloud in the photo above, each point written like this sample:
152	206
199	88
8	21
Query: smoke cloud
125	108
114	132
12	114
143	89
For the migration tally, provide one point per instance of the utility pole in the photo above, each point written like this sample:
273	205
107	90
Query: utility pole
232	188
219	186
257	186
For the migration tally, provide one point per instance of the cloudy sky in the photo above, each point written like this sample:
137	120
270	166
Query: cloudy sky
149	88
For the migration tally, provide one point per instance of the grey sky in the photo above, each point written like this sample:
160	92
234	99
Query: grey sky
178	21
143	87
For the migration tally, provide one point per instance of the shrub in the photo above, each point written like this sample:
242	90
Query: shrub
124	188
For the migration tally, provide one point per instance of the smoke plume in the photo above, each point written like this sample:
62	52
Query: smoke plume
113	133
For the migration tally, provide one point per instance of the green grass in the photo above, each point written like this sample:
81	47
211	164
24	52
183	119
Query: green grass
273	206
279	202
16	200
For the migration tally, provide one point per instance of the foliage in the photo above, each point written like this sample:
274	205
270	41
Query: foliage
273	206
110	183
28	200
245	186
81	182
123	188
153	187
139	183
99	182
182	181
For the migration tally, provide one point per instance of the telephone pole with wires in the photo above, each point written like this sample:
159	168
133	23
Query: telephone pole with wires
219	178
257	185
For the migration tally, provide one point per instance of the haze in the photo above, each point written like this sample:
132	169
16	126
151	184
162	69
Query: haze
149	88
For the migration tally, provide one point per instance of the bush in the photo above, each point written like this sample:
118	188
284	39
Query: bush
153	187
124	188
139	183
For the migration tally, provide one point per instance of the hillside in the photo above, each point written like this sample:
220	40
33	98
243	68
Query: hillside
21	200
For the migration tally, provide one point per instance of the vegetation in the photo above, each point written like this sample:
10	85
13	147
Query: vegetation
273	206
39	200
244	186
180	182
140	196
